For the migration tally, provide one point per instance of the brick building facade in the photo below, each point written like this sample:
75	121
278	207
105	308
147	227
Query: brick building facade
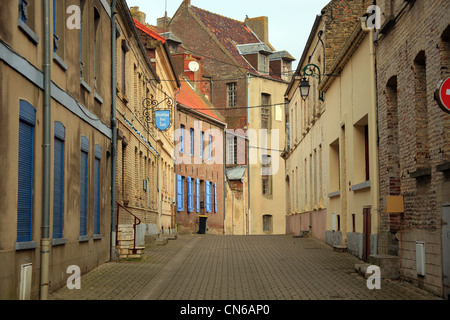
413	53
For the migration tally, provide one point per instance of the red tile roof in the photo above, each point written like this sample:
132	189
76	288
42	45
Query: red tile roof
149	31
188	97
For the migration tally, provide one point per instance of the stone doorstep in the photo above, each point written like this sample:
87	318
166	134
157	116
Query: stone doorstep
161	241
361	269
389	265
340	249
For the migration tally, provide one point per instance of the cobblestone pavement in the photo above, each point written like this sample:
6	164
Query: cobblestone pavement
206	267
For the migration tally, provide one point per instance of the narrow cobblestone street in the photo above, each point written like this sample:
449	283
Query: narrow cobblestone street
195	267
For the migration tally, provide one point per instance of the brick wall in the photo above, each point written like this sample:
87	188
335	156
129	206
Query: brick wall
411	59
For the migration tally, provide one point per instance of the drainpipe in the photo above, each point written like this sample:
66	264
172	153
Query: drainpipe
374	128
248	153
47	125
114	132
175	155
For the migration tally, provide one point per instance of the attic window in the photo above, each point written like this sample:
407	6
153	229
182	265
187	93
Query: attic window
263	65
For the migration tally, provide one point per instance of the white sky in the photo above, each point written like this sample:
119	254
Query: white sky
290	21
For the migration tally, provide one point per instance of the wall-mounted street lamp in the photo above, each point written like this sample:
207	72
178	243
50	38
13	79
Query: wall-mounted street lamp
304	88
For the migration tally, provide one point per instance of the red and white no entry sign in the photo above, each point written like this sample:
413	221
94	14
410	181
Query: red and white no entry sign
443	95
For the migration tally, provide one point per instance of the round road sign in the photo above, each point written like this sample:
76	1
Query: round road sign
443	95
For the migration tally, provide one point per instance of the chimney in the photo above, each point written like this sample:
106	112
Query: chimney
260	27
138	15
188	2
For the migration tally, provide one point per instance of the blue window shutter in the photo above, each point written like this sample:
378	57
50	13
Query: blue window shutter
179	193
25	172
98	152
190	192
208	196
58	182
215	197
83	185
197	192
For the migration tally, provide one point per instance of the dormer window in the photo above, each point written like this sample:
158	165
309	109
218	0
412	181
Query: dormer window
263	64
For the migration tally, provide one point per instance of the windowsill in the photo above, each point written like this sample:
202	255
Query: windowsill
97	237
98	98
420	173
443	167
28	32
84	238
85	85
60	62
59	242
360	186
334	194
29	245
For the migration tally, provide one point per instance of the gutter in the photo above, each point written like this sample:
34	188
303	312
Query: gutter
47	125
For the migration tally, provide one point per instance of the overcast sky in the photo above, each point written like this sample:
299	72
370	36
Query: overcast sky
290	21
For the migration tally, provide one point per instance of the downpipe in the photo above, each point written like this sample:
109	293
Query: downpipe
45	236
113	254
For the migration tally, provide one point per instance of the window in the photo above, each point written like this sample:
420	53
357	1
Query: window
84	185
125	49
58	182
191	142
267	223
202	135
210	147
232	94
180	193
335	166
197	193
265	111
266	174
25	172
97	192
97	50
215	197
84	41
263	64
190	194
232	150
26	21
208	196
182	139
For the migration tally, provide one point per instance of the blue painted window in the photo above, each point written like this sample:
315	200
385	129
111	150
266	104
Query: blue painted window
23	7
180	193
84	185
197	192
98	157
190	194
58	181
27	122
191	141
215	197
208	196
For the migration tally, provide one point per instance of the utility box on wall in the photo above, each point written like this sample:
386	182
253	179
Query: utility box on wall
25	281
420	258
394	204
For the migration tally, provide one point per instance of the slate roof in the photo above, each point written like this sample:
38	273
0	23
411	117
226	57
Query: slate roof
236	173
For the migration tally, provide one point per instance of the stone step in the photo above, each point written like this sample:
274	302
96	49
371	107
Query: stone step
340	249
389	265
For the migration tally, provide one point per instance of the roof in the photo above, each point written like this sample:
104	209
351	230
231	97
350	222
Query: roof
236	173
191	98
149	31
229	33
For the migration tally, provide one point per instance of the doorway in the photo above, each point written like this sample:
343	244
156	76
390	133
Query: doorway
367	227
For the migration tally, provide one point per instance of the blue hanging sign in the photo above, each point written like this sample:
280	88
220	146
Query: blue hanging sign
162	119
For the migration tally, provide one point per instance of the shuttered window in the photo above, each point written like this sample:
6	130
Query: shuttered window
202	134
190	194
84	185
25	172
191	141
98	157
180	193
197	192
58	182
208	196
182	139
215	197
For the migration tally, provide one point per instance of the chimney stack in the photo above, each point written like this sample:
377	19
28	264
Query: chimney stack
260	27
